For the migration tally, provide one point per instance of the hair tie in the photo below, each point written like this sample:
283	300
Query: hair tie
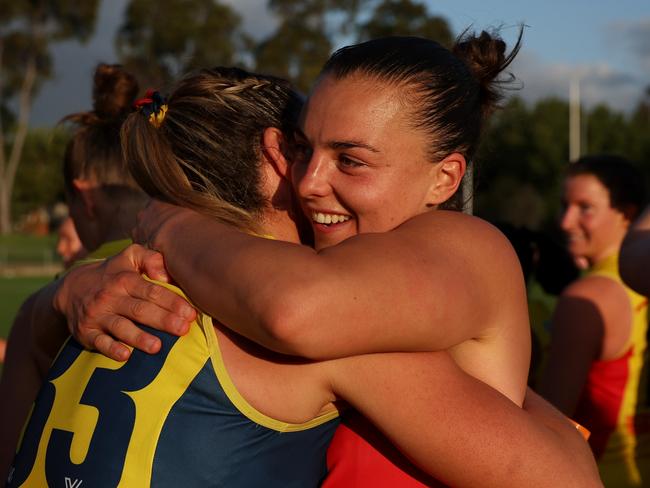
153	106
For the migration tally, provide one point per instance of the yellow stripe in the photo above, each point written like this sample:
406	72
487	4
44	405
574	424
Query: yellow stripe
183	364
621	447
240	402
229	387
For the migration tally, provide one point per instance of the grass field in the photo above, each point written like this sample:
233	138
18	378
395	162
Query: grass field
18	251
27	249
13	292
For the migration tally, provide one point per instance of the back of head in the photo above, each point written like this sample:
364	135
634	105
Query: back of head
94	152
623	180
207	152
450	93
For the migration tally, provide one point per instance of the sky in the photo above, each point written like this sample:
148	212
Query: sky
603	44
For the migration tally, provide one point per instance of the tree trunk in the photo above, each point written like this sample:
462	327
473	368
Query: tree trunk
5	209
8	176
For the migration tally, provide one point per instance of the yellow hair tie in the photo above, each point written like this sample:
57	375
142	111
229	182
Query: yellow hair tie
152	106
156	118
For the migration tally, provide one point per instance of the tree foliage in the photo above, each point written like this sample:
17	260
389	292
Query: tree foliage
518	169
406	18
302	42
162	39
40	181
526	151
27	29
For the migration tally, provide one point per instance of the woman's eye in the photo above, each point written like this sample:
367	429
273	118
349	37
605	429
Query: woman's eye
348	162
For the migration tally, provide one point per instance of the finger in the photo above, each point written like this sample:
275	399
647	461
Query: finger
111	348
154	266
127	310
130	334
155	295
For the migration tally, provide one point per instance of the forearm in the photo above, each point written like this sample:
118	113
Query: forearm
341	301
634	260
48	326
235	277
444	419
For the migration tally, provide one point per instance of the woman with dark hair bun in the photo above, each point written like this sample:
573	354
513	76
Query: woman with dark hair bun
597	359
384	140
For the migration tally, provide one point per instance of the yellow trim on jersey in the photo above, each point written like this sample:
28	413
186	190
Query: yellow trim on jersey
240	402
621	447
183	364
106	250
229	388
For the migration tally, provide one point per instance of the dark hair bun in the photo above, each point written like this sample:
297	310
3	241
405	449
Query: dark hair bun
114	91
485	56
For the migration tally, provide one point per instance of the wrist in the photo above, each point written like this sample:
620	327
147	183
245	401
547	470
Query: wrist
181	223
64	287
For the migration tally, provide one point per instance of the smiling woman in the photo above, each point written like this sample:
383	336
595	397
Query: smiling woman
599	327
357	166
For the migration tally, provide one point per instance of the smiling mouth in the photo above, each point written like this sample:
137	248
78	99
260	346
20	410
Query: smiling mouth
328	219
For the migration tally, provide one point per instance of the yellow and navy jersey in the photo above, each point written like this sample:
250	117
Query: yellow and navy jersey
613	404
170	419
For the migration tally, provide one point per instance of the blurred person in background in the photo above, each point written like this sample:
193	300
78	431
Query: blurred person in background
597	353
103	201
68	245
634	260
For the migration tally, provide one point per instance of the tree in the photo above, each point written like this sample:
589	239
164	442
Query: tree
162	39
521	162
309	29
40	181
27	28
302	42
406	18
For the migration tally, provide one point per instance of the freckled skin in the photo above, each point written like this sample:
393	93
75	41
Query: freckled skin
363	160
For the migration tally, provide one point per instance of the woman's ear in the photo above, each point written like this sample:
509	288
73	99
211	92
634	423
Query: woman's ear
85	191
273	146
447	177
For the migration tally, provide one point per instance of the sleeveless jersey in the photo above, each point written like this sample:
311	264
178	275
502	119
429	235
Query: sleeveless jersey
613	404
170	419
361	457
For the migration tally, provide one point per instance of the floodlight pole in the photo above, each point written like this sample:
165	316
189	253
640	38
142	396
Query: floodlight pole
574	119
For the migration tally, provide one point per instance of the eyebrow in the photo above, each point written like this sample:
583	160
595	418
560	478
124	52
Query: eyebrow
351	144
345	144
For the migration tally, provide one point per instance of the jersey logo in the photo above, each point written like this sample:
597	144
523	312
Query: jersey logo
72	484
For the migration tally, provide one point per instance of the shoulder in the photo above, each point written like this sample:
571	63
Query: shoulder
473	240
603	291
596	306
458	228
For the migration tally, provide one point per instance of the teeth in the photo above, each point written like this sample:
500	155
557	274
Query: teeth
322	218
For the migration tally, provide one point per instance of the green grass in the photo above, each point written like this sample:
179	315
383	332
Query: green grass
13	292
28	249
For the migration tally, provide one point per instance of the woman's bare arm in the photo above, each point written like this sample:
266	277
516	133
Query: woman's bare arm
295	300
461	431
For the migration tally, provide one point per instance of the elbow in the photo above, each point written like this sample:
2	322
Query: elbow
290	328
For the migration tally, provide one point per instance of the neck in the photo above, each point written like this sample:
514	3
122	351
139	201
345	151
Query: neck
279	224
121	219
